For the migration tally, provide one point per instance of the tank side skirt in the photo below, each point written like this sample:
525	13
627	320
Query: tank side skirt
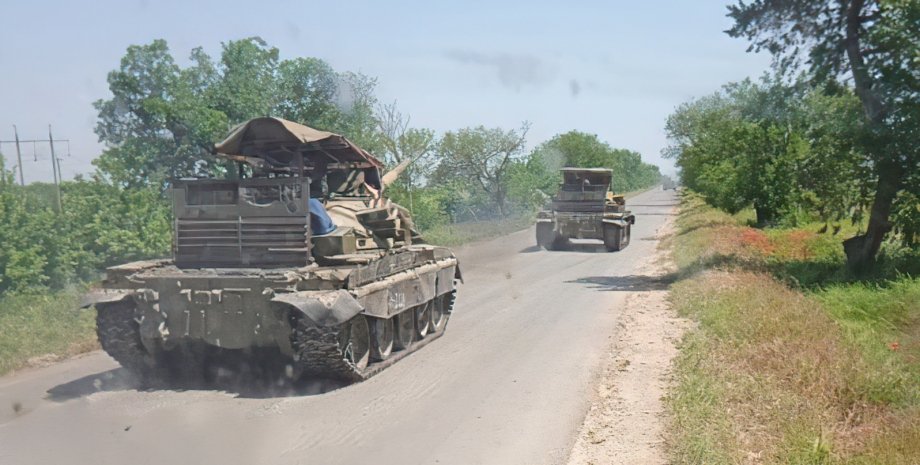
104	296
395	294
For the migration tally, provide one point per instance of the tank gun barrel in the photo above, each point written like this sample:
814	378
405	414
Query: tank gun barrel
391	176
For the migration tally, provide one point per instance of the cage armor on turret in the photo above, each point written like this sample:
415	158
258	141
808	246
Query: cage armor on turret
301	255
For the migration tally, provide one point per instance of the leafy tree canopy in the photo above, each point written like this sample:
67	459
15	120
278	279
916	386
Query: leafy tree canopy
162	120
874	47
579	149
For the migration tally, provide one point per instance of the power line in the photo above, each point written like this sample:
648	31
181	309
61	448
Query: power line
55	161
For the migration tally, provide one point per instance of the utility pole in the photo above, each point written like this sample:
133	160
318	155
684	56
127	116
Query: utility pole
55	162
22	180
54	167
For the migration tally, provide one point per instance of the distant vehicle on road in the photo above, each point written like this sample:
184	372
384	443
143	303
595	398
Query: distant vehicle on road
585	208
668	184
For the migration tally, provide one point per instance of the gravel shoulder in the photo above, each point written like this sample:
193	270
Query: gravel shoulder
627	418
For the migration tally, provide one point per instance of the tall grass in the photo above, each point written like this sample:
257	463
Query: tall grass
48	326
794	359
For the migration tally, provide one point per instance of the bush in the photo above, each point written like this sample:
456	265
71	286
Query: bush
100	225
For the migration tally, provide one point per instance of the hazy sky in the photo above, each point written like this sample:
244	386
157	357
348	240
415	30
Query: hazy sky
613	68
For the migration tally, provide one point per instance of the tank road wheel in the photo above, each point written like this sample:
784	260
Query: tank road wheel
613	238
423	319
549	239
382	338
355	342
119	336
545	235
440	311
405	329
438	315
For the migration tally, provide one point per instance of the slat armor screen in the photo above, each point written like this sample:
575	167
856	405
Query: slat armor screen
255	222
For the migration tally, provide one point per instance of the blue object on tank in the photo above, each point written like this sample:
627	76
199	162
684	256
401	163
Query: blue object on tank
320	223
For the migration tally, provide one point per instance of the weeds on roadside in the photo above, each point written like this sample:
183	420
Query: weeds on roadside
794	360
48	325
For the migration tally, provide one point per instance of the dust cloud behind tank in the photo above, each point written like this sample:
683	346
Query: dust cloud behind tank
299	257
585	207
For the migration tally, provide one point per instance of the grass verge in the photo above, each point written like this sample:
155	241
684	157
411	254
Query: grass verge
793	360
43	327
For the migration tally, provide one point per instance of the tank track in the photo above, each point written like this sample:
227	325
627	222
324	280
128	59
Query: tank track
318	353
318	350
118	335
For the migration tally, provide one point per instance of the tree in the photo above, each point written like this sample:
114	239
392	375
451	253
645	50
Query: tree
833	179
533	180
741	146
247	85
163	120
404	144
355	101
143	141
306	92
875	44
791	151
101	225
483	157
579	149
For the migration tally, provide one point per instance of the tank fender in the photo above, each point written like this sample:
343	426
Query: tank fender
104	296
617	222
325	308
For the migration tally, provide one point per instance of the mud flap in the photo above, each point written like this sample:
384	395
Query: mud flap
104	296
614	233
324	308
546	233
619	223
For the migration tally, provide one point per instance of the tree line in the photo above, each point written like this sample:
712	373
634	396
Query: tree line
830	135
163	119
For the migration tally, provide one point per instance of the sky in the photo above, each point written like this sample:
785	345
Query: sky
616	68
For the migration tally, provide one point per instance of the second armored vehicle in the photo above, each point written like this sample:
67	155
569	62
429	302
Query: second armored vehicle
667	183
585	208
297	254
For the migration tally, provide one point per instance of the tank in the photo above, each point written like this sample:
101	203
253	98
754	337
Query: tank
585	208
298	257
668	184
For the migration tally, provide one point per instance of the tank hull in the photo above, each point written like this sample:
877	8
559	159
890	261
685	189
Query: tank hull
302	313
555	229
585	208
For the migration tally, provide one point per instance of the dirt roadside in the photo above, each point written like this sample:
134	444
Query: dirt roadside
626	420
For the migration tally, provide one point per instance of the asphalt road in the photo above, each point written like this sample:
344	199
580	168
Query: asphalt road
509	382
